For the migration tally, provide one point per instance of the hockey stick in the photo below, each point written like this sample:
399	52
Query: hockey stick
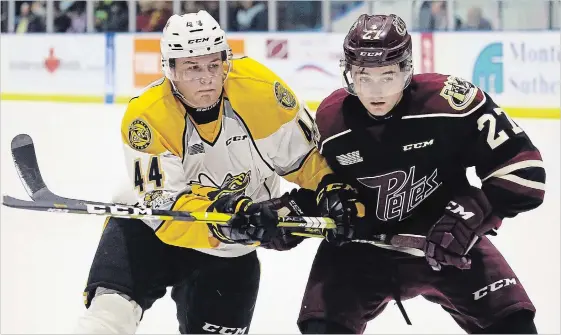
75	206
25	160
400	241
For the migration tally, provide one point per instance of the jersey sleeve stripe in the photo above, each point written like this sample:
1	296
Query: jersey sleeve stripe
524	182
521	195
513	167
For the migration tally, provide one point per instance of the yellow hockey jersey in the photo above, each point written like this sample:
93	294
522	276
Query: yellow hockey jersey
262	132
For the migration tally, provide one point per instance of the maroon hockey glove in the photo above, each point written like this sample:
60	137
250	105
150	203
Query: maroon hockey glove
465	219
252	222
299	202
339	201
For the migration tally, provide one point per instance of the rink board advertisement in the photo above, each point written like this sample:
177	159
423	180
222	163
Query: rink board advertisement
142	52
519	69
309	63
516	69
39	66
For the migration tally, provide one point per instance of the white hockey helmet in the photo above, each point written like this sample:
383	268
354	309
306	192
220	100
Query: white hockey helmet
191	35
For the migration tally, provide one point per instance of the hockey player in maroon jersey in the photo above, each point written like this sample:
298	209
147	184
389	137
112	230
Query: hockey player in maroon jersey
404	142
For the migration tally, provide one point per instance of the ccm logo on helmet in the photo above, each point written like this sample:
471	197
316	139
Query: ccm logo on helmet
371	54
198	40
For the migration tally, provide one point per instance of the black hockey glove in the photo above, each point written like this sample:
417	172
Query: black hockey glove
339	201
252	223
466	218
299	202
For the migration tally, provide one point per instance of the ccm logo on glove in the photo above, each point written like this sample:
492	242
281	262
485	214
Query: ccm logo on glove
456	208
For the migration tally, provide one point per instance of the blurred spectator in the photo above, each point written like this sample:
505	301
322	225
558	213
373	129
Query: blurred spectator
111	16
3	16
212	7
476	21
143	14
70	16
62	21
153	15
299	15
434	16
248	15
339	8
31	18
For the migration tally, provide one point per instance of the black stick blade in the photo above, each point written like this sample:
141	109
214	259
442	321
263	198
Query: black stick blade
25	160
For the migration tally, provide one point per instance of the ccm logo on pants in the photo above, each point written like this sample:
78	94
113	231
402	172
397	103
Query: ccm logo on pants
493	287
209	327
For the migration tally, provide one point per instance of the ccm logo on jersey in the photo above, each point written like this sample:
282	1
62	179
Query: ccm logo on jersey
418	145
236	138
456	208
209	327
493	287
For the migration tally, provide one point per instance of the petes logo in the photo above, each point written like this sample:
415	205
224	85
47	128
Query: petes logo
399	193
349	158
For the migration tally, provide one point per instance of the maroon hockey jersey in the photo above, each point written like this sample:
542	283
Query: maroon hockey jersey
408	166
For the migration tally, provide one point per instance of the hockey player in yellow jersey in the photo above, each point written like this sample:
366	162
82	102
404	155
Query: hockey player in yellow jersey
214	134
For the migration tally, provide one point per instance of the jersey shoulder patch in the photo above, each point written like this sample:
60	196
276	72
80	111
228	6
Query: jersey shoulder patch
459	92
154	122
285	97
139	134
444	96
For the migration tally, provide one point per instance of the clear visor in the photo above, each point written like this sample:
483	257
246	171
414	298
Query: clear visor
187	70
376	82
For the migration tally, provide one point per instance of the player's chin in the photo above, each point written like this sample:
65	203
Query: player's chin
207	97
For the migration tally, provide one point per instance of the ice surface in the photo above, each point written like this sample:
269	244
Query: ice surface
45	257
